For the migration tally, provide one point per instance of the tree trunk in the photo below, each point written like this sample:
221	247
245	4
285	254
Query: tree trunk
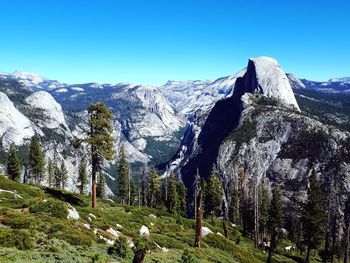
139	256
197	242
346	249
307	260
334	230
272	247
224	227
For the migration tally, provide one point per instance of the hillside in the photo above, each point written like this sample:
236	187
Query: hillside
34	228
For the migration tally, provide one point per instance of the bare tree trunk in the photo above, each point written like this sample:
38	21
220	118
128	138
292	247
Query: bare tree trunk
197	242
272	247
346	249
256	216
334	237
139	256
307	260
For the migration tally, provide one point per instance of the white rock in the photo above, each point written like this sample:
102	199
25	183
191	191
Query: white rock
152	224
87	226
113	232
219	234
119	226
152	216
206	231
144	231
72	213
92	215
15	195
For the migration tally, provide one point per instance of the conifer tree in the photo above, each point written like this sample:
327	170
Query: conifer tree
173	196
82	177
133	191
36	161
57	176
263	209
101	185
63	175
275	220
154	187
50	172
313	217
233	207
213	195
13	168
100	140
144	185
123	172
181	192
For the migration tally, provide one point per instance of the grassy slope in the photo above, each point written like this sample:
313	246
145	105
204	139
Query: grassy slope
53	238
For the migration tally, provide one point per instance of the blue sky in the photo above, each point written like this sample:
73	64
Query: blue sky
150	42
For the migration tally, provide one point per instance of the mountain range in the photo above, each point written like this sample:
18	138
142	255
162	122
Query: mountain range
191	123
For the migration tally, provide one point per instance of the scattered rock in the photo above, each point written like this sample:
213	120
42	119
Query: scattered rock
119	226
144	231
113	232
152	216
219	234
87	226
92	215
72	212
206	231
15	195
152	224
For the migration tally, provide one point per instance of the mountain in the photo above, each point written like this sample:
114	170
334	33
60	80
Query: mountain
261	129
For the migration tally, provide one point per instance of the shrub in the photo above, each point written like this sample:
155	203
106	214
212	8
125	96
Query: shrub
120	248
168	242
187	257
19	221
52	207
21	239
75	237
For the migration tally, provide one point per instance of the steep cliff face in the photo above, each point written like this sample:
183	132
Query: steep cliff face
263	76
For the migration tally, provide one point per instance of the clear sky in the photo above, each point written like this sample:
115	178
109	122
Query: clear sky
150	41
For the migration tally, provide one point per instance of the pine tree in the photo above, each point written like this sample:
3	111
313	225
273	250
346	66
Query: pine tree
233	206
99	137
263	209
154	187
181	192
36	161
50	172
144	185
173	197
313	217
63	175
101	185
82	177
14	168
275	220
133	191
213	195
56	177
123	172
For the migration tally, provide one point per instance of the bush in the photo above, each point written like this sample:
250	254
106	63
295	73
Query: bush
120	248
21	239
168	242
19	221
52	207
187	257
75	237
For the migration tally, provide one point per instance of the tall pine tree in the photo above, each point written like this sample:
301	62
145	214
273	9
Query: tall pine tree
275	221
123	172
99	137
63	175
101	185
13	168
213	194
173	197
36	161
313	216
154	187
82	177
50	172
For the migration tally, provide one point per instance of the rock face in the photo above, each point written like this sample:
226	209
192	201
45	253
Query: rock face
14	126
52	111
264	75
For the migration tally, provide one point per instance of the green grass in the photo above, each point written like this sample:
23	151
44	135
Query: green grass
32	231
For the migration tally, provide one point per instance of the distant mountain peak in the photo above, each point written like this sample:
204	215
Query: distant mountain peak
29	76
344	79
